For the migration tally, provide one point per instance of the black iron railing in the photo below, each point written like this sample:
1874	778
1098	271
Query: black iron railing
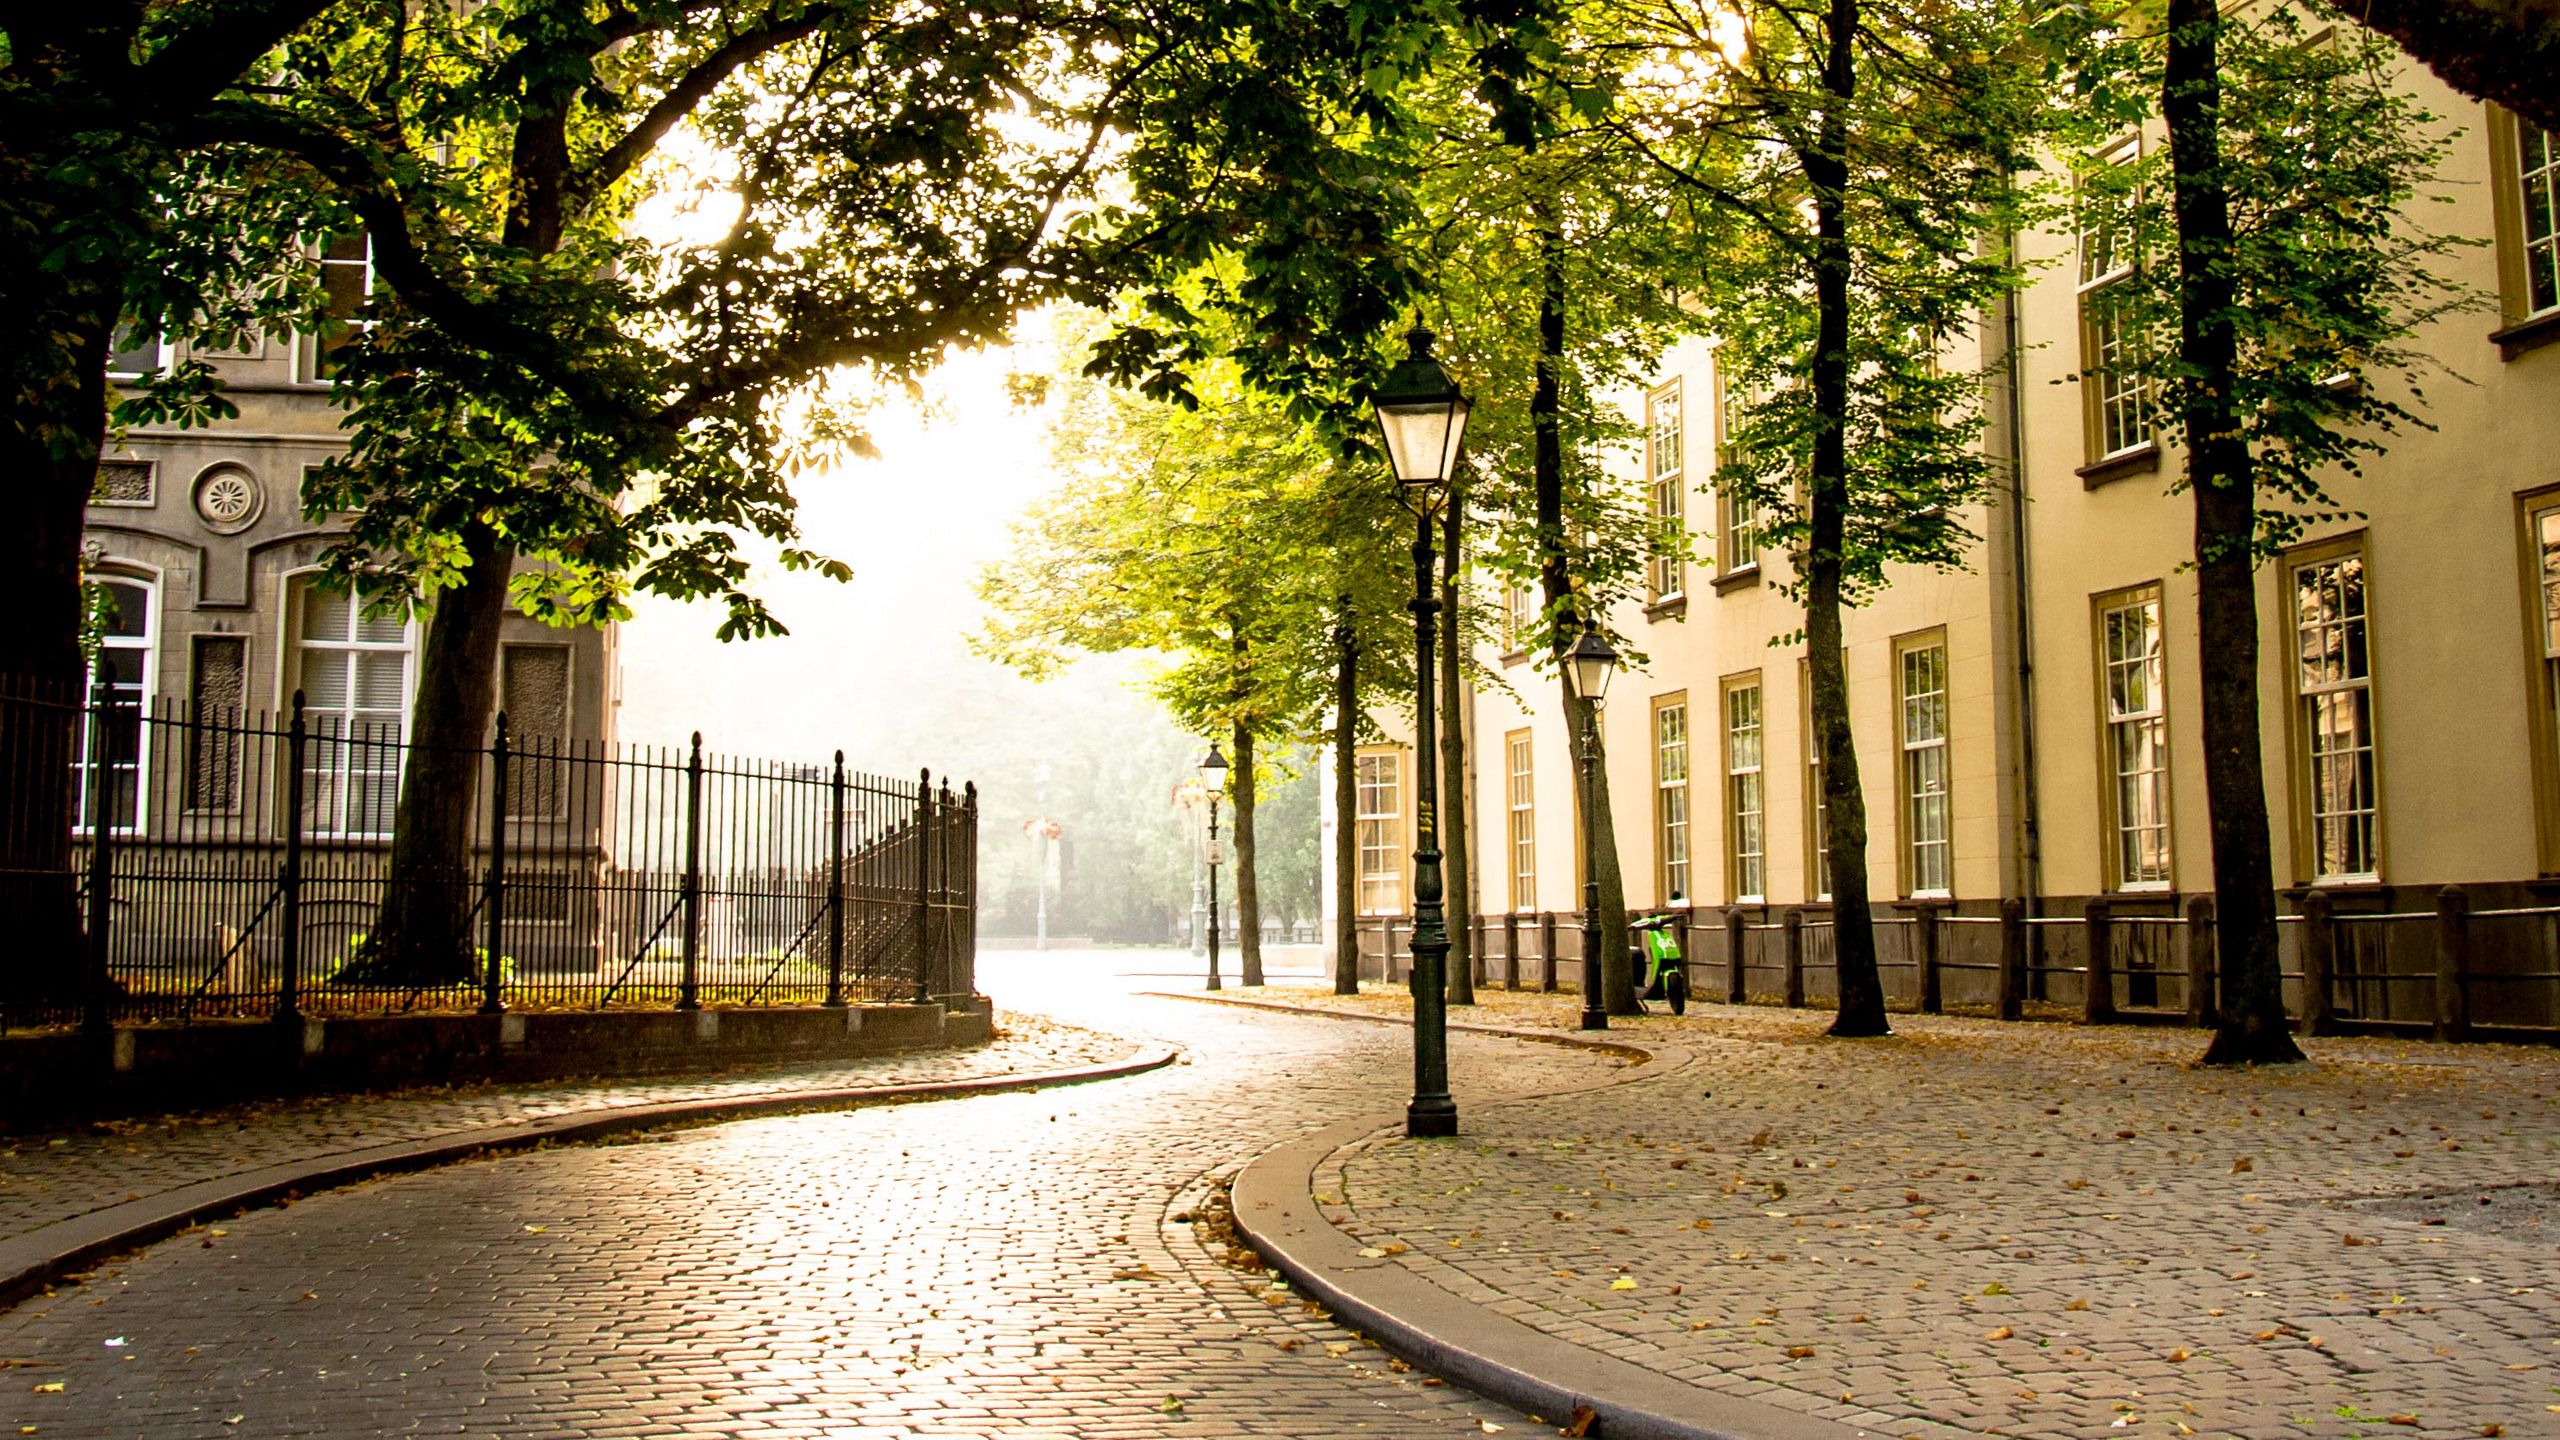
220	863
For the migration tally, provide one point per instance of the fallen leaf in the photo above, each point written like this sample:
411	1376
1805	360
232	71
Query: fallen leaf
2493	1430
310	1295
1325	1197
2003	1333
1995	1288
1336	1348
2178	1356
1584	1416
1488	1427
2353	1240
1702	1224
1393	1248
1291	1342
1623	1282
1372	1252
2404	1419
1799	1352
233	1419
50	1387
1170	1405
536	1229
2077	1305
2265	1335
2243	1165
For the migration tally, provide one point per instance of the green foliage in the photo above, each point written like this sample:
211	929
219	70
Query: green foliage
2323	163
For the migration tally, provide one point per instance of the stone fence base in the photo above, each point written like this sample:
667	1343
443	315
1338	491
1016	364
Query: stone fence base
48	1079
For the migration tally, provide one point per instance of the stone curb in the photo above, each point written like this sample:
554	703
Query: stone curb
32	1261
1494	1355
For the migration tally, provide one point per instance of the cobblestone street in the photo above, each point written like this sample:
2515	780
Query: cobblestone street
2018	1229
1018	1262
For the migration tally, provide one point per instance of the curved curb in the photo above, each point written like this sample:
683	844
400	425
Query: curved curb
32	1261
1488	1352
1574	1039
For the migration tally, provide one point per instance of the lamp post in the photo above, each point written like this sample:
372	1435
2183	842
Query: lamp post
1589	666
1422	416
1213	783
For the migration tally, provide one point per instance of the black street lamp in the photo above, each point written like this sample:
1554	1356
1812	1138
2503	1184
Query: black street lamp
1213	782
1422	416
1588	667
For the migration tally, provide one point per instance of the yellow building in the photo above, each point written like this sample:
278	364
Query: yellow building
2030	727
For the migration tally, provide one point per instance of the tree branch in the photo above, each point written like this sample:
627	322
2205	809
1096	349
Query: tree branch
2507	51
689	92
211	53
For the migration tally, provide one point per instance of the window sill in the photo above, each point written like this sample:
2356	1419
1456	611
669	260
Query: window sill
1732	580
1669	607
2524	335
1516	657
2143	461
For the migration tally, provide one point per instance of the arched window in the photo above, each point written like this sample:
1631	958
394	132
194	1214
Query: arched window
119	687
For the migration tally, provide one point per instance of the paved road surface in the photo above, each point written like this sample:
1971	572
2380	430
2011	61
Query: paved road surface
999	1263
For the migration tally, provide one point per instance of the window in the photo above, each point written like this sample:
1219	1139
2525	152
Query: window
1381	829
1927	854
1671	795
2538	168
2542	560
1521	819
1520	615
137	352
2137	739
353	671
119	685
1663	578
1745	799
2334	683
1737	525
1817	827
346	283
2119	410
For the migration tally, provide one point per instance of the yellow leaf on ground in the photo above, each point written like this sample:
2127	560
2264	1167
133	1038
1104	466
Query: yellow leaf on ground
2178	1355
535	1229
2077	1305
1799	1352
50	1387
2003	1333
1170	1405
1623	1282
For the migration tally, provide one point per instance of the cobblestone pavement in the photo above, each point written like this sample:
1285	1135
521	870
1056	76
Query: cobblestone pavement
45	1178
2024	1229
1016	1262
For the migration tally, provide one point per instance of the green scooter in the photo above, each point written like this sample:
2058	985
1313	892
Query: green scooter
1657	954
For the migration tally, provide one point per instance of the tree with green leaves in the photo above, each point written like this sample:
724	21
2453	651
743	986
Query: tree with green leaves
1849	168
1207	534
2280	278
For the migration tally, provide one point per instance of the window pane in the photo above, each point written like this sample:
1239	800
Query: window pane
137	352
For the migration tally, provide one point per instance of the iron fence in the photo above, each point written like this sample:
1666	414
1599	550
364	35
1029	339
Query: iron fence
227	863
2451	973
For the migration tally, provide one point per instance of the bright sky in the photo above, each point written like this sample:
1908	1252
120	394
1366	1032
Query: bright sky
915	525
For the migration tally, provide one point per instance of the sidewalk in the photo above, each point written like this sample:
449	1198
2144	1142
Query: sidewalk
1975	1228
111	1183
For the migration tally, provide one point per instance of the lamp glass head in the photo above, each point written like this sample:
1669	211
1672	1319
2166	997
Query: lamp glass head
1422	417
1592	663
1213	771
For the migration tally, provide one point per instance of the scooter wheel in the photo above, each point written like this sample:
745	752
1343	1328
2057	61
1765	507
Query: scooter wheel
1676	985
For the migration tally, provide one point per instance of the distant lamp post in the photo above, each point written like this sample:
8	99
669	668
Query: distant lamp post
1422	416
1193	798
1589	667
1213	783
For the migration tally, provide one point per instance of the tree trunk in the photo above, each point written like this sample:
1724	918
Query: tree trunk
52	447
1248	887
1826	168
2221	477
422	933
1346	805
1617	971
1457	833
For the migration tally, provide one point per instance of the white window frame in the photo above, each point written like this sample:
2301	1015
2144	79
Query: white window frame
335	825
1378	784
2333	679
309	356
2132	681
1737	528
147	646
2541	251
163	354
1520	820
1665	466
1928	792
1746	791
1817	805
2119	406
1671	762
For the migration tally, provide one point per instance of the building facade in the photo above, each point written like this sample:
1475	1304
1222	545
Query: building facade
2029	727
